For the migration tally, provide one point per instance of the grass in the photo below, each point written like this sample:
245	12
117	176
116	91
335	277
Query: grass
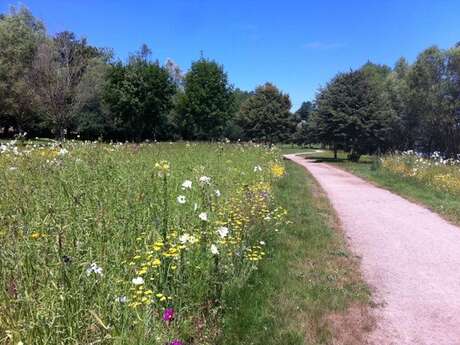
152	243
307	290
443	202
130	244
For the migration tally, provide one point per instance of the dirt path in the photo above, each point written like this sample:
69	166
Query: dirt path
410	257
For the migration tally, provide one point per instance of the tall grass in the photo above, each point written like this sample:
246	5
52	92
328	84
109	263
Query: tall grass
129	244
434	172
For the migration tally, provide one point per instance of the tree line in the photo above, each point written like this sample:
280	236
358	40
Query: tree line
59	85
377	108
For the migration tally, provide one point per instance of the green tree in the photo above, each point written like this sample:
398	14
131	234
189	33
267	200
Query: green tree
304	112
427	89
139	97
452	101
265	116
20	35
58	68
205	107
403	133
351	114
233	130
92	115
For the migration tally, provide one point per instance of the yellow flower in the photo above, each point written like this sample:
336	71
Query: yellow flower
277	170
157	246
36	235
163	168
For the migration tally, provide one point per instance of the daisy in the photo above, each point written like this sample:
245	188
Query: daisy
205	180
63	152
222	231
181	199
214	249
184	238
138	281
203	216
94	268
121	299
187	184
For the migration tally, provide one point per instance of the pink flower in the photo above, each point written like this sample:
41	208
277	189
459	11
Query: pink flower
176	342
168	314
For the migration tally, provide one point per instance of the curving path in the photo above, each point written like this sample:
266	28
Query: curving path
410	257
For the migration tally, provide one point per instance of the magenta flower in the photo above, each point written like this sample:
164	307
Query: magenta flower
168	315
176	342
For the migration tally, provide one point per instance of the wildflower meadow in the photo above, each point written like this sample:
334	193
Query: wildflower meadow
434	171
130	243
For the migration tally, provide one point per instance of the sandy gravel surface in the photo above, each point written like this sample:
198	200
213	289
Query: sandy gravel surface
409	256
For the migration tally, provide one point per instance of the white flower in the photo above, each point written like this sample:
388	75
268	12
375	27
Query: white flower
187	184
121	299
222	231
214	249
218	194
184	238
181	199
63	152
138	281
205	180
94	268
195	206
13	168
257	168
203	216
262	243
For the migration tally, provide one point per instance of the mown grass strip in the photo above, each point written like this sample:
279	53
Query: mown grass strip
309	291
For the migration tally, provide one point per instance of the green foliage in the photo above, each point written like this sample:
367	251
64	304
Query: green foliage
58	68
265	116
139	97
205	107
434	101
92	116
304	112
20	34
352	114
60	85
408	107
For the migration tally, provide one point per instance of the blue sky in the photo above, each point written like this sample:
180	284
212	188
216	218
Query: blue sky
298	45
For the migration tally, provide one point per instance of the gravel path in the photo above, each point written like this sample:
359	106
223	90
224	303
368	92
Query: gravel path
410	257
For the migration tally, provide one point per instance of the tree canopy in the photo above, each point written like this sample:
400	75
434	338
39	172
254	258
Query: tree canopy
139	97
204	109
60	85
352	115
265	115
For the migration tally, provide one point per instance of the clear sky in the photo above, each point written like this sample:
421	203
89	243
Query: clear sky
298	45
